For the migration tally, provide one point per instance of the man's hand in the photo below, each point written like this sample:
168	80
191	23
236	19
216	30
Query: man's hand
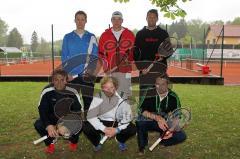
70	78
62	130
168	135
145	71
110	131
161	122
52	132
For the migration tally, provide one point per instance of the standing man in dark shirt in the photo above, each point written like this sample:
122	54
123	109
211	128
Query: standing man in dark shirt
147	41
50	96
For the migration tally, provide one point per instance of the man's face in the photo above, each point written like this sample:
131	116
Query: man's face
59	82
109	89
161	85
80	21
152	19
117	22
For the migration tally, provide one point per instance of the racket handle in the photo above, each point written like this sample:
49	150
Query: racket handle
150	66
155	144
40	140
103	139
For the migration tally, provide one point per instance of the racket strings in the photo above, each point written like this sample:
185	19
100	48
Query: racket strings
72	122
178	119
168	47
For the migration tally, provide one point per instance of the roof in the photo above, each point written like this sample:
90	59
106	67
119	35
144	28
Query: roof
9	49
229	30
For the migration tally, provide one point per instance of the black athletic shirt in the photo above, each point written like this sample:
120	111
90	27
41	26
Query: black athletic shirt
148	41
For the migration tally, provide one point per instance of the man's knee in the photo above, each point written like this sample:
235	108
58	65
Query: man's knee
38	125
132	129
181	136
87	127
140	123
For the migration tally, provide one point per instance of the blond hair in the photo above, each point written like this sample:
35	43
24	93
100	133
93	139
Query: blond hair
106	79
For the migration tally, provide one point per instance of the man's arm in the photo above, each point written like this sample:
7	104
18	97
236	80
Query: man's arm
125	114
148	112
43	109
137	52
93	113
65	51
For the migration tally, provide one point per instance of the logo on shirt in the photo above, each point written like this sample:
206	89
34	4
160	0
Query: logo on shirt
151	39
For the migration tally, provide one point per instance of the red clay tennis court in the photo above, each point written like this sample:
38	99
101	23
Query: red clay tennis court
231	71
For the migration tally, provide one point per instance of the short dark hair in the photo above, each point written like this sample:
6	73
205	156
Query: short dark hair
164	76
154	11
80	12
59	72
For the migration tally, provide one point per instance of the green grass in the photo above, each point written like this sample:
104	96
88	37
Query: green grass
213	132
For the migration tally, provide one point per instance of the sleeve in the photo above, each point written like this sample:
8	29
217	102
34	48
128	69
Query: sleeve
131	54
174	103
125	115
76	106
137	52
44	110
148	100
93	112
65	51
95	46
101	51
148	105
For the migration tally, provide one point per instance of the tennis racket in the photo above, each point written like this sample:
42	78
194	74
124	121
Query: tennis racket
67	126
122	50
165	49
121	118
176	121
91	65
69	117
93	69
123	59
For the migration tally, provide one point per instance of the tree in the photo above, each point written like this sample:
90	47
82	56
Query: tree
217	22
44	47
14	39
170	8
34	41
135	31
178	27
236	21
195	29
3	32
58	47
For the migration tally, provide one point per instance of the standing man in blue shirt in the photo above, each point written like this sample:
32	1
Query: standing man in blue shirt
79	48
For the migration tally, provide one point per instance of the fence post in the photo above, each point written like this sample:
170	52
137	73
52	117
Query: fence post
52	51
204	37
222	47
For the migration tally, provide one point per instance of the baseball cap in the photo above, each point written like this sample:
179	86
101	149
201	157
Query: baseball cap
117	14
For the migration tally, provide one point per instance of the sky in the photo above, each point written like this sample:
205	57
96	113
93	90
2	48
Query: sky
39	15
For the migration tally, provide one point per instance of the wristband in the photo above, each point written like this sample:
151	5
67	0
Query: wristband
117	130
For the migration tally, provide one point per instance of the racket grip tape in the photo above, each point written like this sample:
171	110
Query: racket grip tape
103	139
40	140
155	144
